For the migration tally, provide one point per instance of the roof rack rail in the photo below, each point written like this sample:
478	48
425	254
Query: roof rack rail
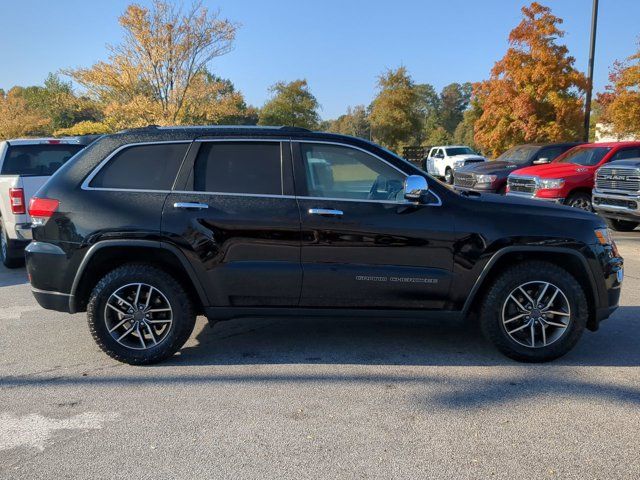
295	129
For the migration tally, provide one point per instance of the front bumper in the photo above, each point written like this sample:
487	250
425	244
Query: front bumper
624	207
558	200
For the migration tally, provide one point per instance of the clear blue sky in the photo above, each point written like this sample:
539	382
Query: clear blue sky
340	46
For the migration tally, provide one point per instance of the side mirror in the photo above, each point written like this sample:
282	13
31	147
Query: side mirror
415	187
542	160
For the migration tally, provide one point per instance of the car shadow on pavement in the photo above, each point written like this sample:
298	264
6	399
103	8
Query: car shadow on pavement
10	277
390	342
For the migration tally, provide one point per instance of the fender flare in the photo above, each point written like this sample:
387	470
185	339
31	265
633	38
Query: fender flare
193	276
529	249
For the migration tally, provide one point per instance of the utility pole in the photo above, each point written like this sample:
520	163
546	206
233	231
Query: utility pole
592	48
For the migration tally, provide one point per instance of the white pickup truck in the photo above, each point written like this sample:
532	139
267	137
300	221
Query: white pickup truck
444	160
25	165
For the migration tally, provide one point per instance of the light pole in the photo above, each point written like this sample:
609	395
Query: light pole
592	48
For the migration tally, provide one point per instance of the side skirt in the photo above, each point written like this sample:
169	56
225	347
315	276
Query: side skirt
217	314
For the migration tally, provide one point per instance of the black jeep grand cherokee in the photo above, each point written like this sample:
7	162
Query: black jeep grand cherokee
148	228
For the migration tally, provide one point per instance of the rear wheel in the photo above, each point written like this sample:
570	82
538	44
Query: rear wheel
534	312
621	225
448	176
9	256
139	314
580	200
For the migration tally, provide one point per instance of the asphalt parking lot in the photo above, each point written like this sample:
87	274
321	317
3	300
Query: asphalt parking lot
311	398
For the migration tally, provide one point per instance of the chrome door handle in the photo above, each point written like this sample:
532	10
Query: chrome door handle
190	205
326	211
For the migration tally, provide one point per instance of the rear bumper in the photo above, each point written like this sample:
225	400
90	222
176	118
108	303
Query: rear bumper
23	232
52	300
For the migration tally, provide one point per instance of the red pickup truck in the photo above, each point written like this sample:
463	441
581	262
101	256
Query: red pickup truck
569	179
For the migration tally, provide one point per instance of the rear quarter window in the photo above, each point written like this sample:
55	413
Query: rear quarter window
41	160
142	167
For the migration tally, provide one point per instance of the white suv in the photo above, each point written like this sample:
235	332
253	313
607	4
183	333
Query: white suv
25	165
444	160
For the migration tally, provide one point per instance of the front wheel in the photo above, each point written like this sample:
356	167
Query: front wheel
622	225
139	314
448	176
580	200
534	312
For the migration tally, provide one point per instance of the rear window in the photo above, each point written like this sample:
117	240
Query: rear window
37	160
142	167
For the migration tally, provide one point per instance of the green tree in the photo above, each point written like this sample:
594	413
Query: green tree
355	122
465	131
454	100
57	102
292	104
395	112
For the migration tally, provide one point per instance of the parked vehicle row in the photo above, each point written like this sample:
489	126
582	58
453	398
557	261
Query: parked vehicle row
147	228
491	177
565	174
25	165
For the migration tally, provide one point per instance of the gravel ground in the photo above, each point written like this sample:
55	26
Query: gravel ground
317	398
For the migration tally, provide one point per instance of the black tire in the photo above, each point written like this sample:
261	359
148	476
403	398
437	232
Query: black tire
9	256
621	225
491	321
581	200
183	320
448	176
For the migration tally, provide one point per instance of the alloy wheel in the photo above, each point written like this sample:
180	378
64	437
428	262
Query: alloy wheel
582	204
536	314
138	316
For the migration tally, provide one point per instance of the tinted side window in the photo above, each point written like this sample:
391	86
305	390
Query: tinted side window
340	172
626	153
551	152
142	167
239	167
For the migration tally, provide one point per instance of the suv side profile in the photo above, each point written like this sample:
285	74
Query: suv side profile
148	228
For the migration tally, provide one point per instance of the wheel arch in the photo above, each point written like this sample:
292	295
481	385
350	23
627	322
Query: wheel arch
566	258
106	255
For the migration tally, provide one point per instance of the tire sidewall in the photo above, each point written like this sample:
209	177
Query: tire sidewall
183	316
491	318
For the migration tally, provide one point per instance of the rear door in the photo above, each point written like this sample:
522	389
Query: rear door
237	219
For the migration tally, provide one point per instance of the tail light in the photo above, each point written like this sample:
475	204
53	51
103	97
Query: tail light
16	195
41	210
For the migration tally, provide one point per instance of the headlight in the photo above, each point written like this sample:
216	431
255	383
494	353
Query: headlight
604	236
486	178
550	183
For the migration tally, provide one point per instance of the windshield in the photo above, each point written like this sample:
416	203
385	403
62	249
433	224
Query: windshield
459	151
584	156
519	155
37	160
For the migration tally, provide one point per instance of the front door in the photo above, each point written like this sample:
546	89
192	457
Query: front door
363	245
236	216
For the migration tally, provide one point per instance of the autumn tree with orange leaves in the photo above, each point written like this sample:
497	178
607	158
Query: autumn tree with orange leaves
534	93
621	101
